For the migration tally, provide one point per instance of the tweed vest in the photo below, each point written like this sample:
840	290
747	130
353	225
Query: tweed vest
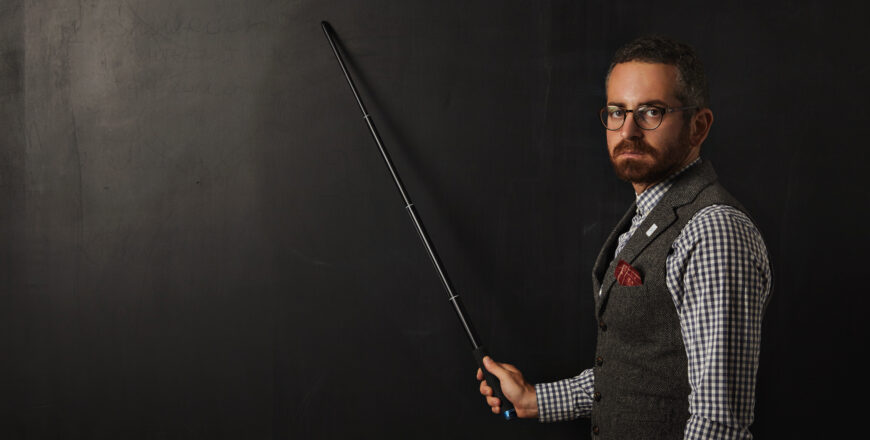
641	367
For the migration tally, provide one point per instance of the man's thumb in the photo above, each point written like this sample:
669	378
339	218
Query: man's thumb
494	368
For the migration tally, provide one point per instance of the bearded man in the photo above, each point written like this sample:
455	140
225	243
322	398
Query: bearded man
681	284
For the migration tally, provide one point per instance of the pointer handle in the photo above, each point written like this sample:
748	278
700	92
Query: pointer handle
507	408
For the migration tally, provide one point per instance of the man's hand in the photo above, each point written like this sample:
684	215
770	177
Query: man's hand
514	387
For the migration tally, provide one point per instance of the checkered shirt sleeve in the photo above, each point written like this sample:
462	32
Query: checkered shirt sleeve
566	399
719	278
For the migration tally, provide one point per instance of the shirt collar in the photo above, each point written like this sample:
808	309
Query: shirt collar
648	199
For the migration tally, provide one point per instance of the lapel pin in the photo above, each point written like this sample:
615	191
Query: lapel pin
651	229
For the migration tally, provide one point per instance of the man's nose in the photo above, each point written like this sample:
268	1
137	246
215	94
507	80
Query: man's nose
630	129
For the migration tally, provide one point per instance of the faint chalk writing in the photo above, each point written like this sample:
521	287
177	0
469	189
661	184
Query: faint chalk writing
178	25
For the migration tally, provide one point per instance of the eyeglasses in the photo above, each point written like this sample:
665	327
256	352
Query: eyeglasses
647	117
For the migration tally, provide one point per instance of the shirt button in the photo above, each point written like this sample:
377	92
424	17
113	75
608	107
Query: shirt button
596	396
599	361
595	429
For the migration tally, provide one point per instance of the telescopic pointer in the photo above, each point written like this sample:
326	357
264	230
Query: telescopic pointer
507	409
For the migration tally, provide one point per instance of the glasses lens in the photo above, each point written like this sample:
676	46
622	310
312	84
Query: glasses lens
649	117
612	117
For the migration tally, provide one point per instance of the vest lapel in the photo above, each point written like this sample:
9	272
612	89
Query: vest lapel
684	190
606	254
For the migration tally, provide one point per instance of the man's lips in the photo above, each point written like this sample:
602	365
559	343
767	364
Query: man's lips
630	154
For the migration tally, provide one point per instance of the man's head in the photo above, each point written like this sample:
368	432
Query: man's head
667	77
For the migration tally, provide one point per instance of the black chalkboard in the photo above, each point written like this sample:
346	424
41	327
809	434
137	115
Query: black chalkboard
198	238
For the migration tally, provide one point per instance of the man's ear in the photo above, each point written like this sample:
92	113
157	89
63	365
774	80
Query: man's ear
701	122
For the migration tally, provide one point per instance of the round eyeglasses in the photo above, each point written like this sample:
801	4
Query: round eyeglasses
647	117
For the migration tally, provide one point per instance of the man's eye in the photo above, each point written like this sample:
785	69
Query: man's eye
617	113
652	112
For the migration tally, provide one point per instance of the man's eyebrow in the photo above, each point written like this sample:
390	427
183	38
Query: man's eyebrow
656	102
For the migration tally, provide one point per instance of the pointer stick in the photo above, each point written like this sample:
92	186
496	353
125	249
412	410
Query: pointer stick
507	409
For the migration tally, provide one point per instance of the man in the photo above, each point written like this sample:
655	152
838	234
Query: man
680	285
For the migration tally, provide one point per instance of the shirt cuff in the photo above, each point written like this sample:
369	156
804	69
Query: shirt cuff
701	428
566	399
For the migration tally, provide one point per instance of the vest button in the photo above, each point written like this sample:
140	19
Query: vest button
602	326
596	396
599	361
595	429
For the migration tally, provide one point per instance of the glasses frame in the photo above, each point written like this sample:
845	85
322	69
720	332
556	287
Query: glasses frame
665	110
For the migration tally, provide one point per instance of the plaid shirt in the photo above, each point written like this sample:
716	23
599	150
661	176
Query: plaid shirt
719	278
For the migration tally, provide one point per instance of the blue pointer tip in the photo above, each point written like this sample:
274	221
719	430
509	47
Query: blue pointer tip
510	414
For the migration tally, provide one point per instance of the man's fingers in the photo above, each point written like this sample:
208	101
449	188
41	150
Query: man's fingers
479	374
484	389
493	402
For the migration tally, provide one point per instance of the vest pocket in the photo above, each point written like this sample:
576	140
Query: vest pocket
628	290
630	307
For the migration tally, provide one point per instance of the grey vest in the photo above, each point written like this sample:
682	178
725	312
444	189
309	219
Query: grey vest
641	368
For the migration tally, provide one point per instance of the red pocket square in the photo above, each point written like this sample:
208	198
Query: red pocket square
627	275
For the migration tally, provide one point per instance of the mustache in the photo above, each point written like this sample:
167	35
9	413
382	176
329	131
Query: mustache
639	146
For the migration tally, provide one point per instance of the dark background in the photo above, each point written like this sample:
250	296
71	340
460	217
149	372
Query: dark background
198	238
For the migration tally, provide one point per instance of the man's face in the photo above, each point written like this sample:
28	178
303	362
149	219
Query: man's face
645	157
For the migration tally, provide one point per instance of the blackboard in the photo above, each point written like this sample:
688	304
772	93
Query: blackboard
200	240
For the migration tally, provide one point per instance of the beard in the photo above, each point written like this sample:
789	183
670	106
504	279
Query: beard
665	161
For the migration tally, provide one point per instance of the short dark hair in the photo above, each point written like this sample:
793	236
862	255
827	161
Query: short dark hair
691	81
